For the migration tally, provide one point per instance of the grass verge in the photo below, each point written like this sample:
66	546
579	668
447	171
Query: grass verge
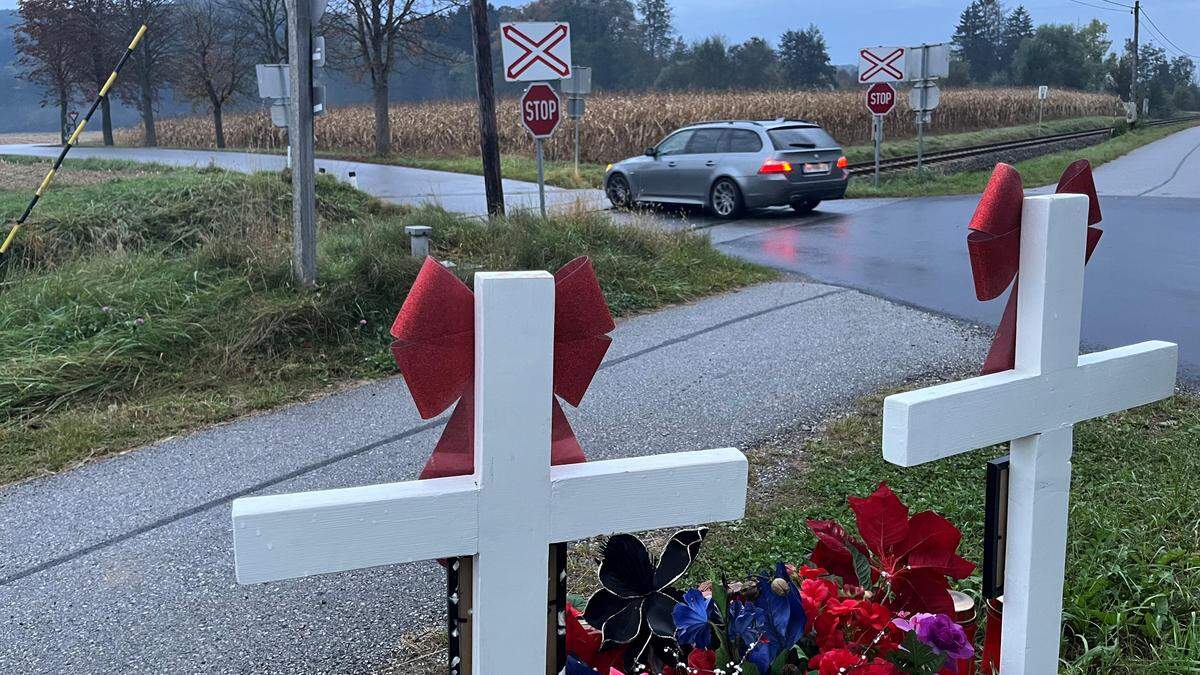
148	307
1043	170
1133	564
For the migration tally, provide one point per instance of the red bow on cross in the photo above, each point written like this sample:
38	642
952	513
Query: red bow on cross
435	351
995	246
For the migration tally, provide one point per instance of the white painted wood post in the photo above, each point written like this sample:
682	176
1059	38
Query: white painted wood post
513	390
1035	405
1049	311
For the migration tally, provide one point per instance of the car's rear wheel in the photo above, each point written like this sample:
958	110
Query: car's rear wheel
618	191
725	199
806	206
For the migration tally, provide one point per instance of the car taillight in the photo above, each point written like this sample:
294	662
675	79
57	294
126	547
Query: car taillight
775	166
842	163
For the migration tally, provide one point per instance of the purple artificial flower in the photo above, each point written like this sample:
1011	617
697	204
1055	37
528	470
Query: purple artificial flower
940	633
139	321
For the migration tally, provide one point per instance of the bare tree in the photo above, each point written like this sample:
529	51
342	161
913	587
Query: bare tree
155	58
44	43
96	47
374	33
267	21
216	59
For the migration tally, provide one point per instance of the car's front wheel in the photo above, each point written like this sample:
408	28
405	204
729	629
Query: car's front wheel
725	199
619	194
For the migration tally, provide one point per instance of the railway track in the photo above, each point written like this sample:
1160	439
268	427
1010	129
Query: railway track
897	163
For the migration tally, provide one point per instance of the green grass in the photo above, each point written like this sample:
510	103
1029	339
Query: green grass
168	302
513	167
1043	170
1133	566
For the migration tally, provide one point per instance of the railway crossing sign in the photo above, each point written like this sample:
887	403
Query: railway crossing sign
536	51
881	98
881	64
541	110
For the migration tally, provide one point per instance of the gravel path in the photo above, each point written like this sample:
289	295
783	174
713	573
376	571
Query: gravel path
125	565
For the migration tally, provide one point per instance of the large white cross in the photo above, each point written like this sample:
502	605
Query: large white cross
510	510
1036	405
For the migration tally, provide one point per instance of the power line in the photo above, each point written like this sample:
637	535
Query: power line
1118	4
1086	4
1168	40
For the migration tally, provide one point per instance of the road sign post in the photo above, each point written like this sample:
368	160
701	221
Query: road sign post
881	98
1043	94
541	112
924	64
576	87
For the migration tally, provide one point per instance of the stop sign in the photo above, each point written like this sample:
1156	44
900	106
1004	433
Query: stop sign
881	98
540	110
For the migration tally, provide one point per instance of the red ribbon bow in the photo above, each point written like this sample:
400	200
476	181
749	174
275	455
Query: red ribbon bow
435	351
995	246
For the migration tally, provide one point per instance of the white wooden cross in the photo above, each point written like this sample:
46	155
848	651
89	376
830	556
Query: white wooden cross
510	510
1036	405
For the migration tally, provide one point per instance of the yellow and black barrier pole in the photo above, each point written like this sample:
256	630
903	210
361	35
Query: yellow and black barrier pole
12	234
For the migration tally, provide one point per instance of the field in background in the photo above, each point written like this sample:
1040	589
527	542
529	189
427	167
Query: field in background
620	125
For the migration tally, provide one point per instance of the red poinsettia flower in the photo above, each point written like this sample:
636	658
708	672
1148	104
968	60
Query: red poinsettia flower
844	661
911	556
702	662
584	643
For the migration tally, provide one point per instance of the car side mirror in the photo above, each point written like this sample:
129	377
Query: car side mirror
652	152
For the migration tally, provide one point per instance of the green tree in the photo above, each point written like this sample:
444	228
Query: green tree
657	29
804	59
979	39
605	34
755	65
1061	55
1018	27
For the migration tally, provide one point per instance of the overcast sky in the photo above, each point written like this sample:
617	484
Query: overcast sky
851	24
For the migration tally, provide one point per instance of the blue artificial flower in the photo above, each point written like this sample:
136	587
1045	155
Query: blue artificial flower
577	667
691	620
783	610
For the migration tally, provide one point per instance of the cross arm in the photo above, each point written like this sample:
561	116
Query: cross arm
645	493
294	535
936	422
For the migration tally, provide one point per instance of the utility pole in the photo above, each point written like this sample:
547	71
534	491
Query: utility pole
1137	15
300	142
489	138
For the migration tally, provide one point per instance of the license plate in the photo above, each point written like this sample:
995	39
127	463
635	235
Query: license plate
816	167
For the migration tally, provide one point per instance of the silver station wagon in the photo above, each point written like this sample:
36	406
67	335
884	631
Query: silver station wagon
731	166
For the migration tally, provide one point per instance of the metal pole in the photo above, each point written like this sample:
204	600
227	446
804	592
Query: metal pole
1039	114
541	178
578	121
878	142
921	113
300	140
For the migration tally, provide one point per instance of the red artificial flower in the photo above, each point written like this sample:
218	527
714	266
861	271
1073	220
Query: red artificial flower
873	615
913	556
584	642
702	661
844	661
815	594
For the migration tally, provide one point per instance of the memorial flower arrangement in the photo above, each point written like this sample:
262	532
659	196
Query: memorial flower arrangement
872	603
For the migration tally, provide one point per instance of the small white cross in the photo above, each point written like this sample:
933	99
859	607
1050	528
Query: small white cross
1036	406
510	510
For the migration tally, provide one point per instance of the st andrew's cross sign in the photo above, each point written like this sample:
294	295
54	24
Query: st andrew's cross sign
536	51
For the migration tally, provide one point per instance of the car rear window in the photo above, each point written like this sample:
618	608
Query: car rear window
801	138
740	140
704	142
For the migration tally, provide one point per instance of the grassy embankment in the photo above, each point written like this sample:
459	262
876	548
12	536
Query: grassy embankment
140	307
1132	596
1043	170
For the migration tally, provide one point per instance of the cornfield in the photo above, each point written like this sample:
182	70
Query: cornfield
619	125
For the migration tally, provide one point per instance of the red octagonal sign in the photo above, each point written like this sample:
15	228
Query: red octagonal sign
540	110
881	98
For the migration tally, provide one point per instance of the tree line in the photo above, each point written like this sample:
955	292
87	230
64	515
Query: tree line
993	45
204	51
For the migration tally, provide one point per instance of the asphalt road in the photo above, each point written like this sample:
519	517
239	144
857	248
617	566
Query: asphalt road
1142	283
126	566
400	185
